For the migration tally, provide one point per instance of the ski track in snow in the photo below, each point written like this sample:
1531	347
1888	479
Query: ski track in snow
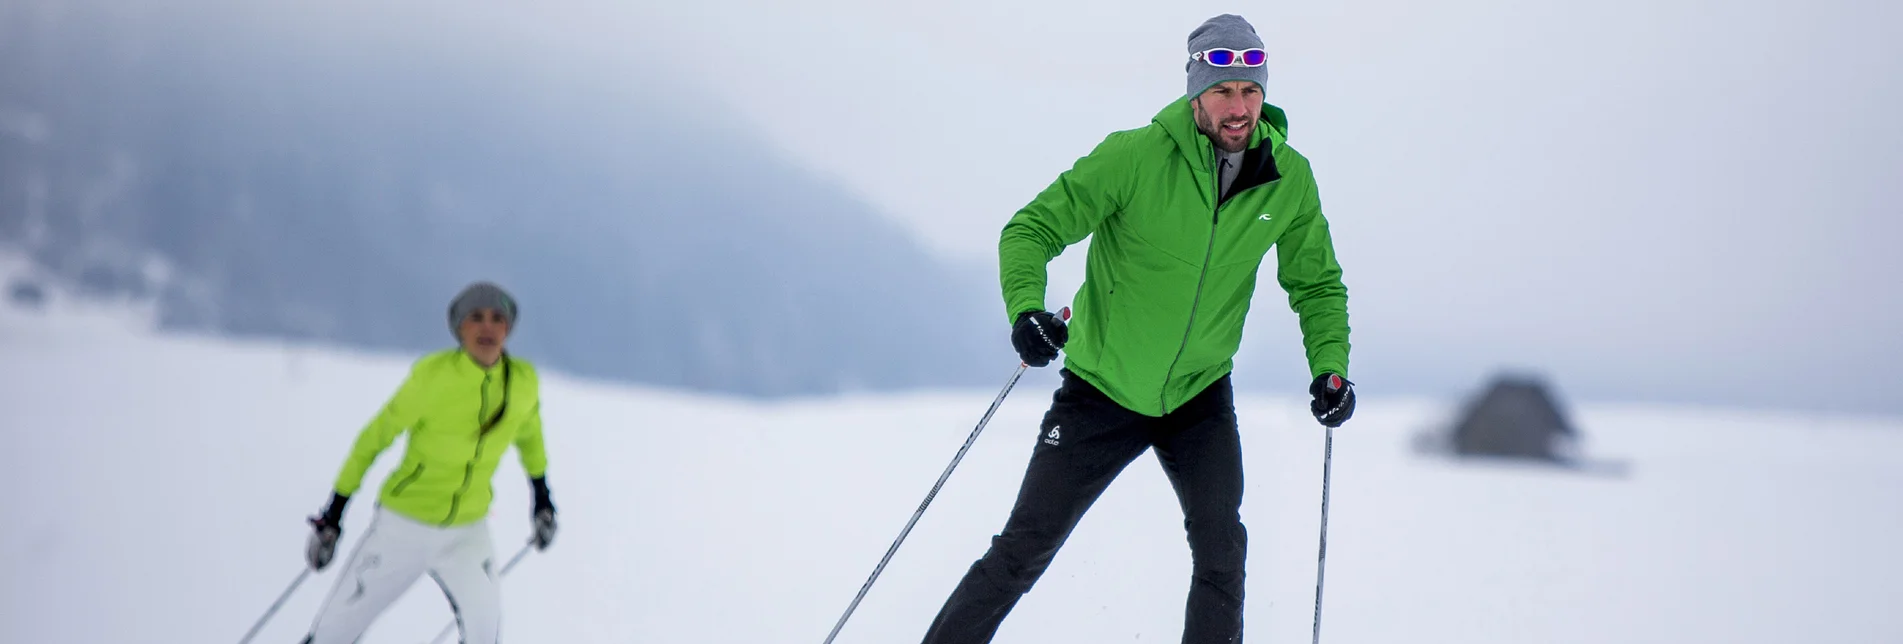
158	487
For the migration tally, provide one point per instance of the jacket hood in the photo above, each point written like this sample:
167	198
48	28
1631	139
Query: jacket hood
1179	120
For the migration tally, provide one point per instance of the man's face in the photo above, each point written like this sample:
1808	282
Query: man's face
1227	112
482	334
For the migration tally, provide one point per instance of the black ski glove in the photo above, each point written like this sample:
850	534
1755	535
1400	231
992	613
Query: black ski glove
1038	336
325	528
1334	399
544	513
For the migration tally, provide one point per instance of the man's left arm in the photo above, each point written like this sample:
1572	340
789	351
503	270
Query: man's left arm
1308	272
528	445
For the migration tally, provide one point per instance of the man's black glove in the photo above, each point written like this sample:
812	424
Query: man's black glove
544	514
1334	399
325	528
1038	336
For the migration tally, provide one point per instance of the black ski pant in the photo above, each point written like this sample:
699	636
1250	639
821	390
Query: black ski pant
1085	441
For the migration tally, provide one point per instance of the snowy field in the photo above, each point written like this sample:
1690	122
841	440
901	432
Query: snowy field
157	488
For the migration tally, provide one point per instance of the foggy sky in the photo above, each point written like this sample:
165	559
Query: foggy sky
1676	201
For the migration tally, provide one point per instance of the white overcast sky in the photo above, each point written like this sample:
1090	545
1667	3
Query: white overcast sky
1670	199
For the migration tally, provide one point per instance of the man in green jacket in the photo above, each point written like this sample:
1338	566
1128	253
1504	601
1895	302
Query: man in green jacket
1181	214
462	408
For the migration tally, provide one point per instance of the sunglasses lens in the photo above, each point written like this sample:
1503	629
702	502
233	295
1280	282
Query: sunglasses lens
1254	57
1221	57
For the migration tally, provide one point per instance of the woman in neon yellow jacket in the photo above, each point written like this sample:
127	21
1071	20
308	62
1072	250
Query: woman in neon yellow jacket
462	408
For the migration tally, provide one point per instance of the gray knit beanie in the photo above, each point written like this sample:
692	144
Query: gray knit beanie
480	295
1225	31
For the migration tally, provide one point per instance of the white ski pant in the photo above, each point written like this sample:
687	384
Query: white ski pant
396	551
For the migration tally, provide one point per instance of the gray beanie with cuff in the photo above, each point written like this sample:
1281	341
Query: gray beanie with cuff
480	295
1228	31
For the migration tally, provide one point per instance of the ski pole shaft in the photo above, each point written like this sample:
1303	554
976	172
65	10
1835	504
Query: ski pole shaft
276	604
928	501
1321	559
1065	315
451	626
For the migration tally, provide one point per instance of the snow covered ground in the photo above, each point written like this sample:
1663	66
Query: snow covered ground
157	486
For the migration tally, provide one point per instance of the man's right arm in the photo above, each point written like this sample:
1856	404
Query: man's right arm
1066	212
397	415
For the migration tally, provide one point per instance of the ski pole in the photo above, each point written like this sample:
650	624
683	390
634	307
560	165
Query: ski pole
274	605
505	571
1321	559
1065	313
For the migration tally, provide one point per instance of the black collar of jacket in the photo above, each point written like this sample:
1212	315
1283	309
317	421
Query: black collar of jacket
1258	167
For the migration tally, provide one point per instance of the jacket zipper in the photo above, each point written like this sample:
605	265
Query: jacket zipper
407	480
1215	215
469	469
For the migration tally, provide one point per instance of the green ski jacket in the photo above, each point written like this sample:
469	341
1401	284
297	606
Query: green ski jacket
1172	266
460	418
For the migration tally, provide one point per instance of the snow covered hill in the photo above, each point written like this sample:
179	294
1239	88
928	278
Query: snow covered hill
157	487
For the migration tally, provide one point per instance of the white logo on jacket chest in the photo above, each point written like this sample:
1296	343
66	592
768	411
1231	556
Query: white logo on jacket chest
1051	438
1265	216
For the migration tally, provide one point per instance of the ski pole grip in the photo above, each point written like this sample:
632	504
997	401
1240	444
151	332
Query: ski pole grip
1064	314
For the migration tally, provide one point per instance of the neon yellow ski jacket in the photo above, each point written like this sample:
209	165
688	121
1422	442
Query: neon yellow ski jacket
460	418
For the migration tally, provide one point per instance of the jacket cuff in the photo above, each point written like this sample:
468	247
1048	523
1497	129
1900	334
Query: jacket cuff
334	513
540	484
